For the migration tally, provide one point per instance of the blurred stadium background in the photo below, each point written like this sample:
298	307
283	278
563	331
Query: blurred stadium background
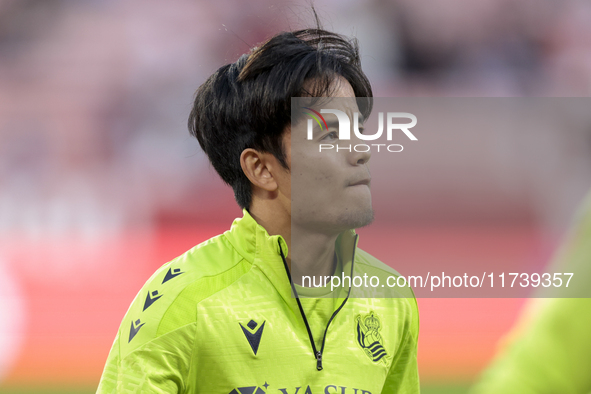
100	183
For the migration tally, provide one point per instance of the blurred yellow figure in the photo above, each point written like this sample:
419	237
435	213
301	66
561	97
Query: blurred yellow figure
549	350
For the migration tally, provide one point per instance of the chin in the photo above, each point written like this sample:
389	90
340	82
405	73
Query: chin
357	218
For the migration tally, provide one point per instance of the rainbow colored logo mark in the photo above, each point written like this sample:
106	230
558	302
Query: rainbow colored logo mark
315	117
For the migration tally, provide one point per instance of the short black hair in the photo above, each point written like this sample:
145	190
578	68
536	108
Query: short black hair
247	104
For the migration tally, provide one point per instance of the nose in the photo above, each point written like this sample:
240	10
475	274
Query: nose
364	157
360	152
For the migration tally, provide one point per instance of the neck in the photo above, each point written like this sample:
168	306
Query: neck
312	253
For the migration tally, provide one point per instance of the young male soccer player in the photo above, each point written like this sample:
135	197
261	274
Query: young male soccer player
222	318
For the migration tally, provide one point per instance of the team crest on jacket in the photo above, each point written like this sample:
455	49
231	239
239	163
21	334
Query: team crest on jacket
367	335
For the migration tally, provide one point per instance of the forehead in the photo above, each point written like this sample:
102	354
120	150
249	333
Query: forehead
341	96
342	88
339	87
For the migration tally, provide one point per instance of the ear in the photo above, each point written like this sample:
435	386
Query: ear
258	168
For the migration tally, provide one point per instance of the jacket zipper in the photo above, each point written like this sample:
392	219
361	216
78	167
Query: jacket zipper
317	354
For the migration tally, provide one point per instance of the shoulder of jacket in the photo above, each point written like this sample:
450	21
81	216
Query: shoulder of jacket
169	299
367	264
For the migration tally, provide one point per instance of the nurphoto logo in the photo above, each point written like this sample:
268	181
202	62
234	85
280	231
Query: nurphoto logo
344	127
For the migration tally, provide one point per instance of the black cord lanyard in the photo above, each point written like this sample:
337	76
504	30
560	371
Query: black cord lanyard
317	354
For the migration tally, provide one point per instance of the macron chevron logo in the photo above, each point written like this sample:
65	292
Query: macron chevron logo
151	299
172	273
254	338
135	328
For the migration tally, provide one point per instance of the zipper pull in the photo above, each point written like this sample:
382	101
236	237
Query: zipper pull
319	361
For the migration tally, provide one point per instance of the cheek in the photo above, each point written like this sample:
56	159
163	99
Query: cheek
313	184
310	175
315	176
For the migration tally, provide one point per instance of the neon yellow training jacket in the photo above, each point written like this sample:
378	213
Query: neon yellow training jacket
221	318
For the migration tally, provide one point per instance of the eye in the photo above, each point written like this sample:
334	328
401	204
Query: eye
333	135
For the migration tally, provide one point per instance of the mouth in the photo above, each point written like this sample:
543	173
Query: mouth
363	182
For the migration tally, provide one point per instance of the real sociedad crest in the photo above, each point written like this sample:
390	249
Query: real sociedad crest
367	333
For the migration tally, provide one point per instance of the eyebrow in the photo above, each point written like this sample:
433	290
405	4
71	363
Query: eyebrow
329	123
334	123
